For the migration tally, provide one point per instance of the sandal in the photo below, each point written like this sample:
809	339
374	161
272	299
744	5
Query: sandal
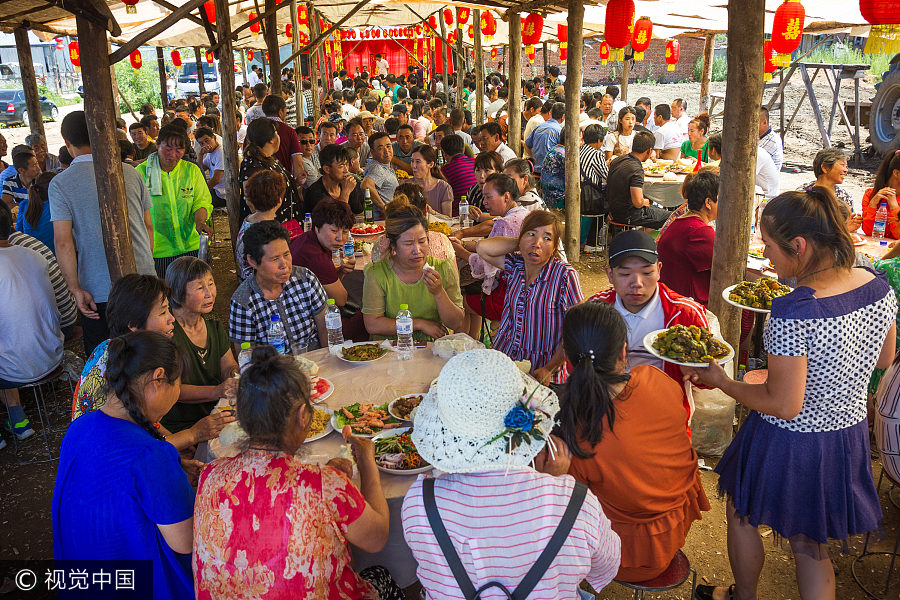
705	592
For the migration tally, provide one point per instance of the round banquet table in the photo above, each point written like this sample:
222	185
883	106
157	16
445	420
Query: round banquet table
665	193
377	382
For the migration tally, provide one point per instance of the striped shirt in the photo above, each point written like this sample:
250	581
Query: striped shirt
531	326
771	143
517	513
460	174
16	189
593	165
65	302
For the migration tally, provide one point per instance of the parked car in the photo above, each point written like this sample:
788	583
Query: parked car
187	78
12	107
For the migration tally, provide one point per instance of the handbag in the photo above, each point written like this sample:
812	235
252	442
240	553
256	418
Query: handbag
593	199
537	570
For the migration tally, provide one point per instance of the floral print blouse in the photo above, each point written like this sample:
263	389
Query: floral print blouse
553	176
267	525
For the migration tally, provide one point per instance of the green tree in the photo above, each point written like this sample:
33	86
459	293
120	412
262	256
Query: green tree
139	85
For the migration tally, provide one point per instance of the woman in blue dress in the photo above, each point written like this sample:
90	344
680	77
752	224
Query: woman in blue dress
800	463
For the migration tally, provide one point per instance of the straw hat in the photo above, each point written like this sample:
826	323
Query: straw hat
483	414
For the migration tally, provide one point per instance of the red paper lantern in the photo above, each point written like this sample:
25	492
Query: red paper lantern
135	59
643	33
462	16
59	43
303	38
531	55
266	56
254	29
130	7
74	55
210	8
604	52
488	25
288	31
471	32
532	26
250	55
562	32
302	15
673	52
209	57
769	56
787	30
432	21
448	16
176	58
619	26
884	16
493	53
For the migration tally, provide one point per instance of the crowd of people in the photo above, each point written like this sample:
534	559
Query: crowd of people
603	425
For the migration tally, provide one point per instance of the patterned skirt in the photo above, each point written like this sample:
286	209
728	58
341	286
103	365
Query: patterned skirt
818	485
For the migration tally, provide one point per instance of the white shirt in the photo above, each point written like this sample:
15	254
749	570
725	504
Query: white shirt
338	85
650	318
252	78
668	136
348	111
505	152
766	173
465	136
381	67
212	162
617	106
254	112
683	121
529	127
609	142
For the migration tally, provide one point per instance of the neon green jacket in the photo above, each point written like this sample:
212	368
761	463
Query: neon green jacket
184	193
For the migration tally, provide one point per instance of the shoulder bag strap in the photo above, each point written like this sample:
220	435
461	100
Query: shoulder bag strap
440	533
544	561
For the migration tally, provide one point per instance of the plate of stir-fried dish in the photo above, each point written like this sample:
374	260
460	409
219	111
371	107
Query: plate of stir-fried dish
395	453
364	419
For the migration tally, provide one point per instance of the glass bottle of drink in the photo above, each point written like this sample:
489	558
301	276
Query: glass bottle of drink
369	209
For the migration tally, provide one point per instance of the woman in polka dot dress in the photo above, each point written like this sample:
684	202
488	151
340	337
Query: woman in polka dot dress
800	463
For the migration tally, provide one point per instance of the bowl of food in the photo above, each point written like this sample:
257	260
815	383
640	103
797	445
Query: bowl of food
755	295
404	407
688	346
365	419
362	352
321	425
395	453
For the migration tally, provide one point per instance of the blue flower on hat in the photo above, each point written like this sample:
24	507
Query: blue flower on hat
519	418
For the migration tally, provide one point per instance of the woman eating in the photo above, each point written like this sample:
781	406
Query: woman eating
520	171
697	144
137	303
439	245
887	182
540	287
618	142
426	174
120	491
800	463
269	524
201	336
410	276
628	442
262	144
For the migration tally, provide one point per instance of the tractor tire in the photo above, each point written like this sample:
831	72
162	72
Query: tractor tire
884	120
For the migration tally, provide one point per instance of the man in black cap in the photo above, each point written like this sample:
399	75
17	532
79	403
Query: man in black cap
646	304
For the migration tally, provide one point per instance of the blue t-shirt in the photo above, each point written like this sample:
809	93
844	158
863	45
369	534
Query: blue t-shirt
114	485
6	173
44	229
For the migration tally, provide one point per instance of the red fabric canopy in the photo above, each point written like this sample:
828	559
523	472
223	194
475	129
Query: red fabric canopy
362	54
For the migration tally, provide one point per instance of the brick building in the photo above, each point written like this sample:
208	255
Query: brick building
652	68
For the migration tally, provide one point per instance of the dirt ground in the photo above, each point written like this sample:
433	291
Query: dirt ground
26	490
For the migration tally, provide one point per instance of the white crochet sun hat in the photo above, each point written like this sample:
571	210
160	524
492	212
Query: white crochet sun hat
466	408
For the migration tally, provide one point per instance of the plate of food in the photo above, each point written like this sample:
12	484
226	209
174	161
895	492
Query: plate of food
858	240
364	419
395	453
320	389
756	295
440	227
362	352
404	407
367	231
688	346
321	424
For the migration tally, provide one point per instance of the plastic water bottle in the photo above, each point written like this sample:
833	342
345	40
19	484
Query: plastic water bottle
307	222
275	334
333	325
881	216
369	214
464	213
348	250
405	345
244	356
336	258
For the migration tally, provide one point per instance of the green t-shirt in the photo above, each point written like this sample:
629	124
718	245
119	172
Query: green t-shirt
184	193
688	150
383	292
205	369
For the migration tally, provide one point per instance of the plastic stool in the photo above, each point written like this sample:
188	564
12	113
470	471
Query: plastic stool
40	402
675	574
857	562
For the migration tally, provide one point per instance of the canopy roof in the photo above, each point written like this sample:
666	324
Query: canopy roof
670	17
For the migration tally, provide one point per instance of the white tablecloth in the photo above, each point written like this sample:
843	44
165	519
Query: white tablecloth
377	382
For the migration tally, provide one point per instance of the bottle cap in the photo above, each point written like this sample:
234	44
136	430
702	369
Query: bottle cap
245	345
274	318
404	307
330	301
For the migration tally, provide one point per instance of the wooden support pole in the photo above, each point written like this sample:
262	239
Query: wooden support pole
229	118
479	68
461	71
743	91
161	68
295	45
514	136
271	37
244	66
623	82
29	81
313	72
201	80
546	56
115	84
573	133
706	71
98	112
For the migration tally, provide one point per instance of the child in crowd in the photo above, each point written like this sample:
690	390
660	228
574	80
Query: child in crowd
263	193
